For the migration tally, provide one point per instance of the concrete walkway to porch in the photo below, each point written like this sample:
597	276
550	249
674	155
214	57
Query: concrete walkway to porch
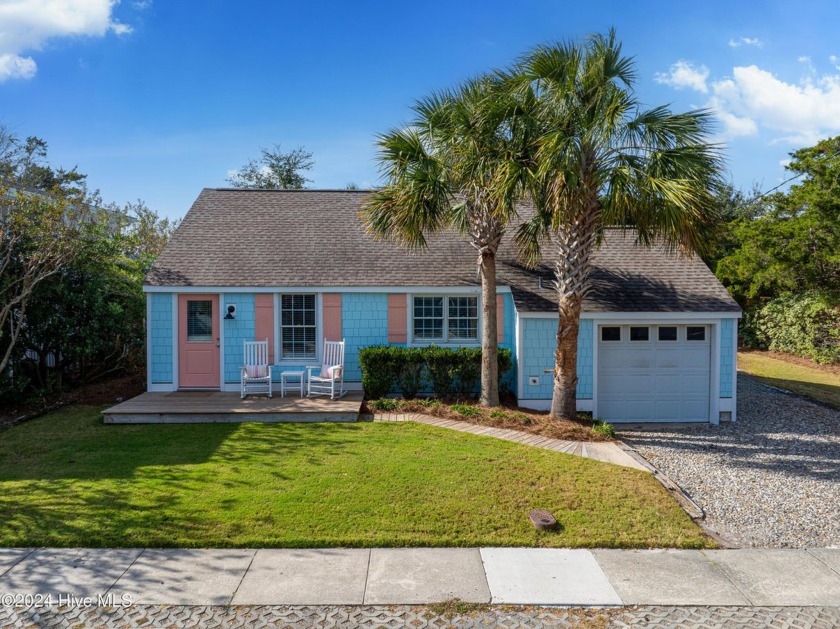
607	451
418	576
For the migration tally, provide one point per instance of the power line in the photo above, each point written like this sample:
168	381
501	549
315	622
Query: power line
788	180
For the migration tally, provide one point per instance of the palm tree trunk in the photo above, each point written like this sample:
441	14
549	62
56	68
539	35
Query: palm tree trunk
564	400
575	243
489	344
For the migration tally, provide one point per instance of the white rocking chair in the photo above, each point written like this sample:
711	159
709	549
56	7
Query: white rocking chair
255	374
323	378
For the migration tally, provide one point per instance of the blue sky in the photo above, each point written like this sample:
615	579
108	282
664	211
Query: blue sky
157	99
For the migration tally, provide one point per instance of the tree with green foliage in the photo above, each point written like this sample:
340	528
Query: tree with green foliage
23	165
38	238
789	242
144	232
275	170
599	159
440	172
71	271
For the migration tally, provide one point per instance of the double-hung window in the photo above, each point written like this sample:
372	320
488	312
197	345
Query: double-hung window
439	319
297	327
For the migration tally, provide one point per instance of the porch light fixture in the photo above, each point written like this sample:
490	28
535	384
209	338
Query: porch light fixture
231	311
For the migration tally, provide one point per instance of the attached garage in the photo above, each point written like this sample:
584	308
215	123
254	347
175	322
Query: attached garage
654	373
657	342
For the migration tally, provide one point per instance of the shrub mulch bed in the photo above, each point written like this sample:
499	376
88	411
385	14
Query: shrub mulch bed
506	416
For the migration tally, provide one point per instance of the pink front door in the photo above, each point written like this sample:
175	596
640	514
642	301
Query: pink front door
198	341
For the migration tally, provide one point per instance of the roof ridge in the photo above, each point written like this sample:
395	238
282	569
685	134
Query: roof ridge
366	190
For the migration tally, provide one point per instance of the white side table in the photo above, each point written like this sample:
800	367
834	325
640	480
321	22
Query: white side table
298	381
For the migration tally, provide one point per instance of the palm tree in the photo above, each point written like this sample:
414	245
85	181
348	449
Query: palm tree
597	160
439	171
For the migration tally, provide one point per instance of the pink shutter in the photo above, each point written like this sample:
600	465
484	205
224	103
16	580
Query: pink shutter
397	306
500	318
264	321
332	316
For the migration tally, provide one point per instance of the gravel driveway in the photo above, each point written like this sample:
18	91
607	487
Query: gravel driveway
770	479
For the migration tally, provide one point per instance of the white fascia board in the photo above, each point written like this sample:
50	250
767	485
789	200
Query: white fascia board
671	317
435	290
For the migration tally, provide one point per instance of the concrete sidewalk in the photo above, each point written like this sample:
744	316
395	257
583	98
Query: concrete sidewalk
411	576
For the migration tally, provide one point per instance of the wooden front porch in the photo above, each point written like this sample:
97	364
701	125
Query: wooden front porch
181	407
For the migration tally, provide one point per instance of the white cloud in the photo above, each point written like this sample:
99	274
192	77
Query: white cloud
835	60
746	41
802	112
121	29
684	74
733	125
14	67
26	24
754	100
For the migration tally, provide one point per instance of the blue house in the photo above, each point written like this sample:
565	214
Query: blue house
658	334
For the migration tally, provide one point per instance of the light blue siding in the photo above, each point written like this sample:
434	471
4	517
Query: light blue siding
585	361
509	341
160	338
727	356
538	346
364	321
237	331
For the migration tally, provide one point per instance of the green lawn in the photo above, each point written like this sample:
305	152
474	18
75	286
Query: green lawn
816	384
68	480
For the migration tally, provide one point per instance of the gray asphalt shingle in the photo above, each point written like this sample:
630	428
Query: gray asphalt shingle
313	238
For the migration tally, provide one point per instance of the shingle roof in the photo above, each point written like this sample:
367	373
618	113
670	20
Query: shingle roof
313	238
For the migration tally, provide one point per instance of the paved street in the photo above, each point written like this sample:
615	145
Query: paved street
424	617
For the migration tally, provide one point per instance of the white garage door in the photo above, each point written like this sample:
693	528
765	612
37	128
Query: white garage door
654	373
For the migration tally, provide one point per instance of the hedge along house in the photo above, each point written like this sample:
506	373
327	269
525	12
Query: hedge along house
657	339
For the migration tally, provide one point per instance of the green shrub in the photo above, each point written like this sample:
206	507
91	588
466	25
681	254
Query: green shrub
440	365
603	428
377	364
505	363
466	410
384	404
448	372
456	372
429	402
805	325
410	368
467	371
498	413
523	418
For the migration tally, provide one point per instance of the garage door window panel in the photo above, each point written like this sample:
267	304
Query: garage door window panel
667	333
611	333
638	333
695	333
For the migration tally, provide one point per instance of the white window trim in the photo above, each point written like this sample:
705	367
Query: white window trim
278	341
444	342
